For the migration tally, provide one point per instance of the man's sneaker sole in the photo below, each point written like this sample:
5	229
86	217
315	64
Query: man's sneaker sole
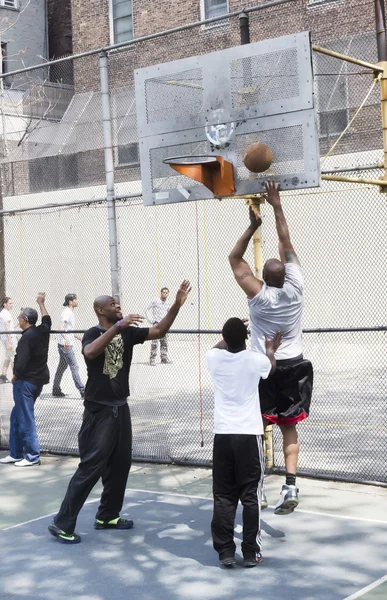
287	507
62	537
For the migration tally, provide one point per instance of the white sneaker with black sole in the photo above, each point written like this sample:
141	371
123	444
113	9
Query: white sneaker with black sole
288	500
9	459
27	463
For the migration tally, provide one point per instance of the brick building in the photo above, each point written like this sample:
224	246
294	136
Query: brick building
344	25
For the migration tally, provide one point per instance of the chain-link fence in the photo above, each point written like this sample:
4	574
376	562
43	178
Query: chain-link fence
172	405
55	237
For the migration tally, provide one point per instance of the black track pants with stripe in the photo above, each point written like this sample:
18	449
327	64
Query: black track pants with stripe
238	470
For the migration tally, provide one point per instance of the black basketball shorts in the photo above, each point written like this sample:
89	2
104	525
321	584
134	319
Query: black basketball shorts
285	396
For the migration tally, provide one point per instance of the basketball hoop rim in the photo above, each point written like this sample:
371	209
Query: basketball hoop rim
173	159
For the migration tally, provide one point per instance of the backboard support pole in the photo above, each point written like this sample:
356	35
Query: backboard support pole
255	203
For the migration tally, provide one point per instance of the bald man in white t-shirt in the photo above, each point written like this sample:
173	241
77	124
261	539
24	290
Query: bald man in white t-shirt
276	304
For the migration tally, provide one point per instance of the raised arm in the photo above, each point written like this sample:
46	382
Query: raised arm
241	269
159	330
286	250
272	346
43	310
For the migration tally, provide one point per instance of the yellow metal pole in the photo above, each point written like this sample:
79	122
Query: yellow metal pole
255	203
362	63
355	179
383	97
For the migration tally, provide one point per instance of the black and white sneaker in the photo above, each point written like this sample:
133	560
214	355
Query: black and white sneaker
252	561
288	500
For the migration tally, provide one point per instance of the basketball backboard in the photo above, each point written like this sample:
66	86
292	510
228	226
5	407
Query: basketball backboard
219	103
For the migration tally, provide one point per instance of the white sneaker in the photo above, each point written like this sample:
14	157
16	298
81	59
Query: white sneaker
27	463
264	502
288	500
9	459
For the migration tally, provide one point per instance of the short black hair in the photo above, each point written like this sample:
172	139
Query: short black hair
68	298
164	288
234	333
30	315
4	300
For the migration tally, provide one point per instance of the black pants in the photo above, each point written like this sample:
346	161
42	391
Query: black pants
238	471
105	449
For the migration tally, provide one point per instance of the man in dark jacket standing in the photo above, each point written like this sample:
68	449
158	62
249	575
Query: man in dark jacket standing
30	375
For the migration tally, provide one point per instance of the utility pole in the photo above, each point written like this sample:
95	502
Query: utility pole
109	174
380	16
257	238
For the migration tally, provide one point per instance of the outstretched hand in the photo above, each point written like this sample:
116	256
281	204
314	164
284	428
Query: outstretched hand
274	343
183	292
272	193
131	320
255	220
41	297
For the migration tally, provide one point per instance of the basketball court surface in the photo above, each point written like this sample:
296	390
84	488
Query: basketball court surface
331	548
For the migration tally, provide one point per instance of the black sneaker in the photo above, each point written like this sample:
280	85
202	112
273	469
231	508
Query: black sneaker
62	536
228	562
252	561
58	395
118	523
4	379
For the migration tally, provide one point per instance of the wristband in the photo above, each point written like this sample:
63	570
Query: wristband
118	324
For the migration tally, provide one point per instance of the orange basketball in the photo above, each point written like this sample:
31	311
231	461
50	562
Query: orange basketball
257	158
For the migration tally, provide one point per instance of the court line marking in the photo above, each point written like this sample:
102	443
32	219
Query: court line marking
370	587
208	498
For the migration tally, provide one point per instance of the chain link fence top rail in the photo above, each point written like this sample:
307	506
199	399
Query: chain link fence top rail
53	154
172	405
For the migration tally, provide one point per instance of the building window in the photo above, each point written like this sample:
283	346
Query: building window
8	3
213	8
121	20
53	173
331	95
128	156
313	2
3	58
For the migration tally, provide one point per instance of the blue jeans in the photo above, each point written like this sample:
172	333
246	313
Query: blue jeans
23	439
67	359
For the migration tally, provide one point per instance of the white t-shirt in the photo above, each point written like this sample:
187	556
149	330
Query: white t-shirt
279	309
235	378
67	321
7	324
157	310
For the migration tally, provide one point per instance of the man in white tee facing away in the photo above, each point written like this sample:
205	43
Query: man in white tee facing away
276	304
155	312
238	460
8	340
67	356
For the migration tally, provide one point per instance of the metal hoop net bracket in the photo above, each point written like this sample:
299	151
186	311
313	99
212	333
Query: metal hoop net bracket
214	172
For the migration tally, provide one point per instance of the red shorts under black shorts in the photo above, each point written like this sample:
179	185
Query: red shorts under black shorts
285	396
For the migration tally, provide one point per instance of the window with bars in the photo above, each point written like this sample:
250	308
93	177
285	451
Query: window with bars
9	3
213	8
332	95
128	155
121	20
311	2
